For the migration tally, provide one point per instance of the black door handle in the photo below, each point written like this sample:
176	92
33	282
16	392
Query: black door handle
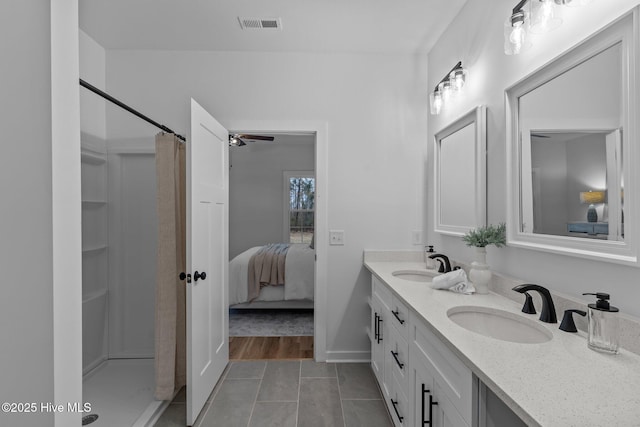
197	276
379	330
183	276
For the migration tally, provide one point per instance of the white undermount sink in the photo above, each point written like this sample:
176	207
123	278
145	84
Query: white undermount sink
499	324
414	275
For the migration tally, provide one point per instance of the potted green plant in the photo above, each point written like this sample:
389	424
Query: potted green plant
480	238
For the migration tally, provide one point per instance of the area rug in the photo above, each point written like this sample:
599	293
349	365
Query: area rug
270	323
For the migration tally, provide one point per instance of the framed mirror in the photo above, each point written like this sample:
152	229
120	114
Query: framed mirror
460	174
572	150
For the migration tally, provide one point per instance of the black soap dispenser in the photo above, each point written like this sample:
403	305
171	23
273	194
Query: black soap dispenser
430	263
603	324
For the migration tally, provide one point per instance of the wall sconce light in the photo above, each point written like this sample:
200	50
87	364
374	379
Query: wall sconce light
539	19
592	197
446	88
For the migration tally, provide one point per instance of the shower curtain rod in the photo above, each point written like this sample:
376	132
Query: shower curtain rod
129	109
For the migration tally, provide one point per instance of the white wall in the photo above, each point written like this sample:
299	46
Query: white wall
26	251
475	38
94	206
256	199
375	107
39	56
133	245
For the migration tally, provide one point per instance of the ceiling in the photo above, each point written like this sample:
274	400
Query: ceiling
380	26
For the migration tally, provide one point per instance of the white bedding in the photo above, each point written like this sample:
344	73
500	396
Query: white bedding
298	274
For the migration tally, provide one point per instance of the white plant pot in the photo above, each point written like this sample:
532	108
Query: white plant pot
479	274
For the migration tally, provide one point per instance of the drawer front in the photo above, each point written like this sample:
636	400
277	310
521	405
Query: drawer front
399	406
398	354
400	317
454	378
381	291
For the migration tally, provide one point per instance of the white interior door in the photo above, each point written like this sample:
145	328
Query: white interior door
207	254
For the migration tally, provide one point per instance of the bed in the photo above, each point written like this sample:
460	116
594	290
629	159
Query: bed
298	288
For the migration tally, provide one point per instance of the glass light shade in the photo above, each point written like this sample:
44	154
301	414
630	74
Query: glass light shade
435	100
577	3
516	29
590	197
543	16
457	78
445	90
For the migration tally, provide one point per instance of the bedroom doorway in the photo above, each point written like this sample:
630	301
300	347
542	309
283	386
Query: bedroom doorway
272	210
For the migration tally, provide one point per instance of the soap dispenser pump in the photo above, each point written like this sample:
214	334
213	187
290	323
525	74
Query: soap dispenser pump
430	262
603	324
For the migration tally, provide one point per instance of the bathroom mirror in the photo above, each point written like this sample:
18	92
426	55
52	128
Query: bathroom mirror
572	150
460	174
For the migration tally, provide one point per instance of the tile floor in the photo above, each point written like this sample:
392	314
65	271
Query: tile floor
289	394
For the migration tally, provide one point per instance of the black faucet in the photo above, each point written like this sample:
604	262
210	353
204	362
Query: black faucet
548	313
445	264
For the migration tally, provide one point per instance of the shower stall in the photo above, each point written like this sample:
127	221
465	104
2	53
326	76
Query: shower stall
119	244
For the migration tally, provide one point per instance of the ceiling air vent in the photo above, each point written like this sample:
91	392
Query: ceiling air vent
260	23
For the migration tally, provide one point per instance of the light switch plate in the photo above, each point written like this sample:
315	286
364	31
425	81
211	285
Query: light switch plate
336	237
416	237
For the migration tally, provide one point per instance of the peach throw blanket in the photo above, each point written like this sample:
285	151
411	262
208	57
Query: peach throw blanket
266	267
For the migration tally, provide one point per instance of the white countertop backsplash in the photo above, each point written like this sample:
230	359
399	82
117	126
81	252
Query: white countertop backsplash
558	383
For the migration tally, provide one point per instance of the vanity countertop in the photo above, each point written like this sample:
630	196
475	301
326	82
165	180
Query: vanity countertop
558	383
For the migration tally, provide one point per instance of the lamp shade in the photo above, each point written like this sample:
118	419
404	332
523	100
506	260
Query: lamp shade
591	197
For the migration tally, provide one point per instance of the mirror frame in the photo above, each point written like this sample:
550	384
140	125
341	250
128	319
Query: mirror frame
478	118
623	30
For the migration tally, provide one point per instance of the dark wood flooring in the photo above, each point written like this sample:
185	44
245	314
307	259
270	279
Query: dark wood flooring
272	348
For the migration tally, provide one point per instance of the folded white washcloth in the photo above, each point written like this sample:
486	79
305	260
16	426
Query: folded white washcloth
454	281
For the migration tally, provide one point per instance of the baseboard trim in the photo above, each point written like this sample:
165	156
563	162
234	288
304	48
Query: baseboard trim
348	356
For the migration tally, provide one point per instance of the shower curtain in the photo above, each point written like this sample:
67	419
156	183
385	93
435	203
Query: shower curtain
170	320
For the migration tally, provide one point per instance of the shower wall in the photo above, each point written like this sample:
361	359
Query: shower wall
118	227
132	233
94	207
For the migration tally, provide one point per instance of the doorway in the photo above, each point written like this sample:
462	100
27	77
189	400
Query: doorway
272	210
315	136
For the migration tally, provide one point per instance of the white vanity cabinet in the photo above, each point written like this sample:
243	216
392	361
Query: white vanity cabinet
442	386
379	319
390	350
422	381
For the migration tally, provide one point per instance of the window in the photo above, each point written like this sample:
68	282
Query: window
299	190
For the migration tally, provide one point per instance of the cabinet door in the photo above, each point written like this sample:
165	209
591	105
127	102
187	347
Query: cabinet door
445	413
421	384
379	328
431	406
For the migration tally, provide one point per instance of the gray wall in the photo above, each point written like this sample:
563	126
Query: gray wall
26	308
256	199
374	106
475	37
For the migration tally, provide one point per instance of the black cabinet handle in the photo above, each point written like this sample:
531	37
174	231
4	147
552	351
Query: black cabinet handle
424	391
395	356
394	403
395	313
379	331
183	276
431	404
197	276
375	327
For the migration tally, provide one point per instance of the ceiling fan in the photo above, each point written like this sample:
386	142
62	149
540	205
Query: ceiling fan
238	139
